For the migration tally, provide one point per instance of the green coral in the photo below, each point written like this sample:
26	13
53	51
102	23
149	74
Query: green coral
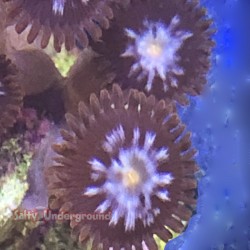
160	243
58	238
13	184
13	188
11	195
63	61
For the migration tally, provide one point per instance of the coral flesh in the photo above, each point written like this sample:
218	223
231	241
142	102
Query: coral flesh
129	156
132	174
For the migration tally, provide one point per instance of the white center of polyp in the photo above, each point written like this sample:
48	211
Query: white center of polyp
131	179
156	52
58	7
1	89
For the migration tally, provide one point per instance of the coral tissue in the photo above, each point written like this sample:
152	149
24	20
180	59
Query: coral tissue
128	156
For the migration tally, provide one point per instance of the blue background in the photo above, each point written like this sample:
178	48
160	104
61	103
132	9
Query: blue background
220	122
